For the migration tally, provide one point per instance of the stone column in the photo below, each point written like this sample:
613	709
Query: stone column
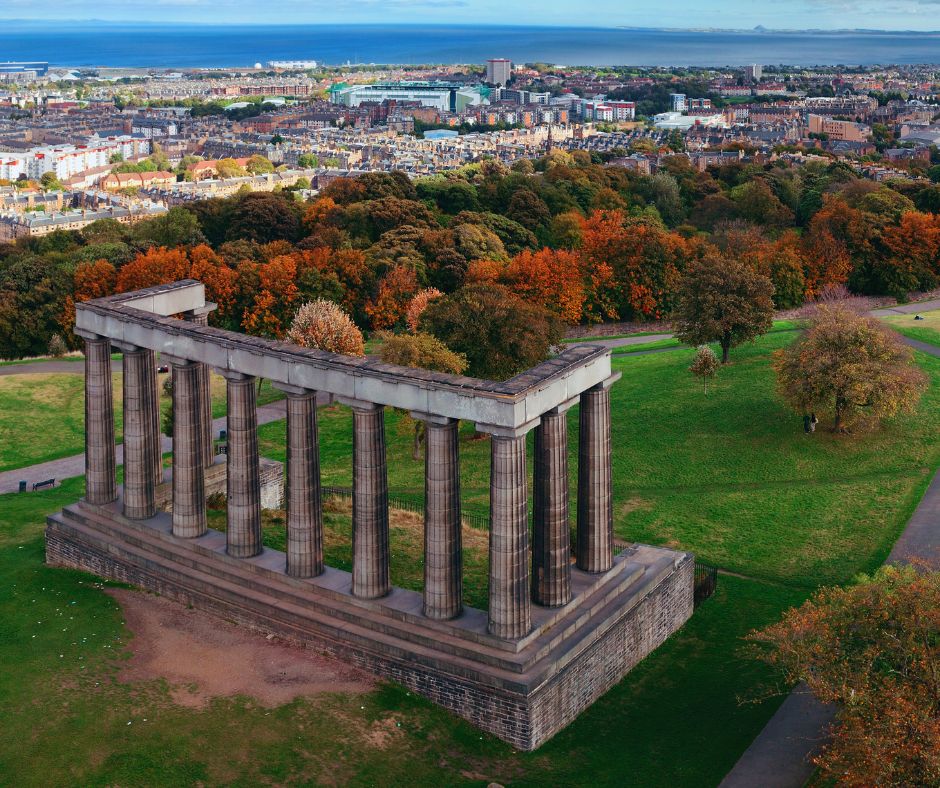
370	573
189	480
443	557
509	606
595	503
244	470
304	506
200	317
138	435
551	539
156	426
100	484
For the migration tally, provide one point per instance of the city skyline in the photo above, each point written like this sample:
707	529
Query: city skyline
901	15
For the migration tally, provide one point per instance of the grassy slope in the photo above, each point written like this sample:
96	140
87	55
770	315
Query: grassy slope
65	717
42	416
731	476
926	330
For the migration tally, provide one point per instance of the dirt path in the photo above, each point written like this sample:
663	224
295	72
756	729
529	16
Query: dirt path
202	657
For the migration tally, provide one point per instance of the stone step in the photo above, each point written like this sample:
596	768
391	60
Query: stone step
397	614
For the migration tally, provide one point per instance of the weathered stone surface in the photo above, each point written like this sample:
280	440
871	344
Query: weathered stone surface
443	557
523	697
100	484
304	506
189	489
551	538
244	480
595	541
139	482
153	380
201	318
509	608
370	575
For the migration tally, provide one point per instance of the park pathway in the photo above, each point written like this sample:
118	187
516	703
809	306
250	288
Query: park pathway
780	755
67	467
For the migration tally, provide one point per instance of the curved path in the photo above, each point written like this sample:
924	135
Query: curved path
66	467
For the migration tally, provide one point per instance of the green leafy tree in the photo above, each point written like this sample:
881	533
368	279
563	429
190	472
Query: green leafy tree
420	351
725	301
499	333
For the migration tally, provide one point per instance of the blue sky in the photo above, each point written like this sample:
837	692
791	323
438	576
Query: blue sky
881	14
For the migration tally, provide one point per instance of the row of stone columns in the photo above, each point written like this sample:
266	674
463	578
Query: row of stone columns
512	586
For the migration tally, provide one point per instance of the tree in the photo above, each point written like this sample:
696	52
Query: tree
873	649
307	161
50	182
499	333
723	300
850	366
420	351
263	217
324	325
704	365
259	165
417	306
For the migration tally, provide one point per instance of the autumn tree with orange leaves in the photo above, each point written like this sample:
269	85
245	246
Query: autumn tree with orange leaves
874	649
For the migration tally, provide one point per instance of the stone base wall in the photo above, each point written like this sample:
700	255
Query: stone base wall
525	716
272	485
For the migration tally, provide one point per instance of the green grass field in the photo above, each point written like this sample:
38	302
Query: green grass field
42	415
730	476
926	330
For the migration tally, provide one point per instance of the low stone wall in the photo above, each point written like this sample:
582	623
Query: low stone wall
272	484
525	707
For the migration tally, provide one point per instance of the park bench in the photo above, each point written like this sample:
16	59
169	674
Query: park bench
41	485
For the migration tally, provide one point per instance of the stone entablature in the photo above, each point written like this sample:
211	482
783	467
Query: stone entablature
549	622
141	319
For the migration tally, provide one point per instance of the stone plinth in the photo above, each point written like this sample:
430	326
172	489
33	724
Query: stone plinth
523	691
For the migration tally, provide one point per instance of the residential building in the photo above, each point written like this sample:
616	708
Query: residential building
498	71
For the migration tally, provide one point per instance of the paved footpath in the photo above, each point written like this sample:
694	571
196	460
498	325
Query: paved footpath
68	467
780	755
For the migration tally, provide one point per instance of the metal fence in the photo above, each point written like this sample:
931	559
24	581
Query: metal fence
706	581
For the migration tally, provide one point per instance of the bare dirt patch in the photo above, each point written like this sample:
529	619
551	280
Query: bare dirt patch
202	657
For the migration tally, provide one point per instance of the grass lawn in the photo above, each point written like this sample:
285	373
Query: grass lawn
42	415
926	330
730	476
67	720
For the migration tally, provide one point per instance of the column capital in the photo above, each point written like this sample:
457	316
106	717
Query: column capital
126	347
232	375
432	419
89	336
200	311
359	404
509	432
293	391
177	361
606	384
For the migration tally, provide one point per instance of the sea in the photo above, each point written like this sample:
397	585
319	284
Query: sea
137	45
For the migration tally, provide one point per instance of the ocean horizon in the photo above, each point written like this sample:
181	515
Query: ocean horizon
159	45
